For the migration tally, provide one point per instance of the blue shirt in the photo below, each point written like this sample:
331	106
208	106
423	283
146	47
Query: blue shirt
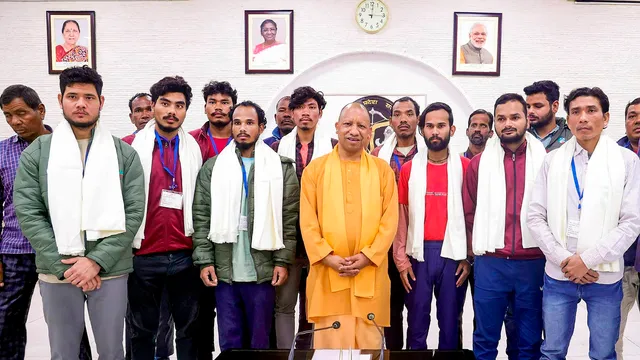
630	254
11	241
244	269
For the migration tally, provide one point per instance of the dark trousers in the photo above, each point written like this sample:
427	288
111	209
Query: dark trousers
164	340
245	311
394	334
435	275
510	327
304	342
151	275
20	279
205	322
497	282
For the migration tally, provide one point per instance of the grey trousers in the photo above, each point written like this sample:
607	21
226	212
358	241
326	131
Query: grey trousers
63	306
286	300
630	288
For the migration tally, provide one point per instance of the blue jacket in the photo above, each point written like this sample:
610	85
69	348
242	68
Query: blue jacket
277	135
630	255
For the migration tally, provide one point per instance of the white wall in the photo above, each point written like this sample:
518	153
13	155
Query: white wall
140	42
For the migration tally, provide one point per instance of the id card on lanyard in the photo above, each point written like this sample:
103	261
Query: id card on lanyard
213	143
170	198
573	226
243	224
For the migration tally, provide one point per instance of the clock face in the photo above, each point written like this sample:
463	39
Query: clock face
372	15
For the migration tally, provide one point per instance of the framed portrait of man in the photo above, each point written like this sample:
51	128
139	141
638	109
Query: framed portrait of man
477	41
71	39
268	41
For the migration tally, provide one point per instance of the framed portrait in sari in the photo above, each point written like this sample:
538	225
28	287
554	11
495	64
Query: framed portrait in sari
268	41
71	39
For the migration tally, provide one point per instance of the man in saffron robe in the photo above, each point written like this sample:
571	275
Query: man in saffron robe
348	278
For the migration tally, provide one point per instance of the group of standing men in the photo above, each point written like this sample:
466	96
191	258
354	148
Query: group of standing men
164	226
529	251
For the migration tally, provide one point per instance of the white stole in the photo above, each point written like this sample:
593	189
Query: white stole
489	222
603	188
91	202
455	239
321	145
390	143
226	193
190	162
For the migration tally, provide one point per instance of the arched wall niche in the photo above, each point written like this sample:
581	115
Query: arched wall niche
349	76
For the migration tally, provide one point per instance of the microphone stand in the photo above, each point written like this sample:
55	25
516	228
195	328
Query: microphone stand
372	317
335	325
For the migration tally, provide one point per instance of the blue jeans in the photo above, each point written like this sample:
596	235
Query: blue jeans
510	326
498	283
559	305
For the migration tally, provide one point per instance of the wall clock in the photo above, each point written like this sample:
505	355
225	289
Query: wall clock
372	15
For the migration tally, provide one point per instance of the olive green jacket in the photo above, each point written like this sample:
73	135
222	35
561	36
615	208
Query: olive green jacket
113	253
206	253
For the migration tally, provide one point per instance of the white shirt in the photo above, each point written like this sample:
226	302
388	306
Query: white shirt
611	248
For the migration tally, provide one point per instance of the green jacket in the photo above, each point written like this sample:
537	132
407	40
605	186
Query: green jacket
206	253
113	253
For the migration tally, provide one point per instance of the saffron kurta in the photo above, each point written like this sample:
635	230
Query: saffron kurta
368	201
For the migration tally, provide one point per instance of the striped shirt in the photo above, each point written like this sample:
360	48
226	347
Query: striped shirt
12	241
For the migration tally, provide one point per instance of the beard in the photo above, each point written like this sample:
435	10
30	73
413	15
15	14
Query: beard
165	128
511	139
478	139
245	145
441	145
81	125
168	128
220	124
286	126
405	136
477	44
543	121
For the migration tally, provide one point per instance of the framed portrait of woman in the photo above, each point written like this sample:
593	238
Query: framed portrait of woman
268	41
71	39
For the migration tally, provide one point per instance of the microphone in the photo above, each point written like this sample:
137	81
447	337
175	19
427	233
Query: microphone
372	317
335	325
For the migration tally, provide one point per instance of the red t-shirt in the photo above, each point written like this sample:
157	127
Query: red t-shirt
204	141
164	229
435	222
221	143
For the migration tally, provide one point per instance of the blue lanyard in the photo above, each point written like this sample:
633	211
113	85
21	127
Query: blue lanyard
213	143
397	160
245	183
175	159
575	181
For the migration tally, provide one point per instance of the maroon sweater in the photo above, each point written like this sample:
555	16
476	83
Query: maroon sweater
514	170
164	229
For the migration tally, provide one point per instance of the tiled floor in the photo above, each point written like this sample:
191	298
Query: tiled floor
38	345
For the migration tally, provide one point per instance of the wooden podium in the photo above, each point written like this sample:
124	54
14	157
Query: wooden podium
375	354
